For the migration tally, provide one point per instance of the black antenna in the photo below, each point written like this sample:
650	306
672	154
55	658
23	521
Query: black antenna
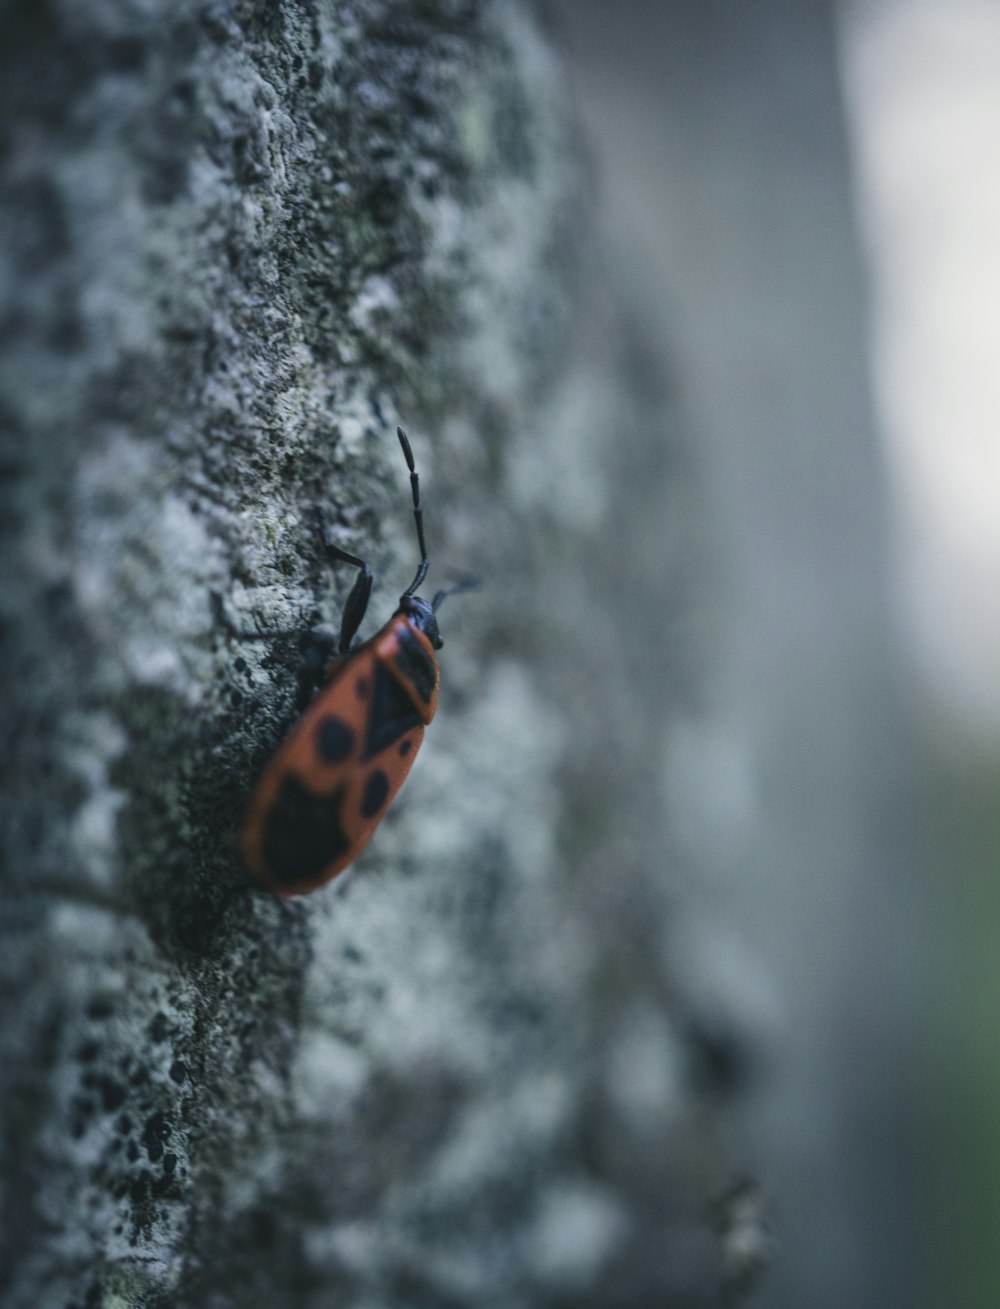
418	513
470	584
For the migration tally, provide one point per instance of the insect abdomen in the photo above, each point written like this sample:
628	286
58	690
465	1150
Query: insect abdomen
332	780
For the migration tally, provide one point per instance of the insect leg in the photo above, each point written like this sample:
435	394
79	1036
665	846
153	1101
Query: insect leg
357	601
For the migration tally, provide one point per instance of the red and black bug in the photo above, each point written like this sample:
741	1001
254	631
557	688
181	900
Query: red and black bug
331	781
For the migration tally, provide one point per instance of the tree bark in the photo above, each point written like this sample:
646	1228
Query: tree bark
241	242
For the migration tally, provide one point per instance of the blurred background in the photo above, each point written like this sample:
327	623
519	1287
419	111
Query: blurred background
805	198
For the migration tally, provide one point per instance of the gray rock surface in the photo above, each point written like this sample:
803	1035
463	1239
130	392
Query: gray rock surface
239	242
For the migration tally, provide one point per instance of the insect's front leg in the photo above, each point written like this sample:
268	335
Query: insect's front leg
357	602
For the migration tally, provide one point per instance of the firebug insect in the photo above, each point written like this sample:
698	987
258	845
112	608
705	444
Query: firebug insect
331	781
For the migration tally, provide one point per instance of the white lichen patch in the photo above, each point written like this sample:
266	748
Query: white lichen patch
92	743
577	1228
376	299
498	759
502	1125
329	1077
142	568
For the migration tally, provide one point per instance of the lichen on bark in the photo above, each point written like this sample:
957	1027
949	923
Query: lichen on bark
241	242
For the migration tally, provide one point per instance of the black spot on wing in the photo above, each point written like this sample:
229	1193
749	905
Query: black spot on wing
376	789
304	832
415	663
361	688
334	740
405	747
392	713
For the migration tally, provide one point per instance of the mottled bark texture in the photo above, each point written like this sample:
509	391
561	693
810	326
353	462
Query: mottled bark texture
239	242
